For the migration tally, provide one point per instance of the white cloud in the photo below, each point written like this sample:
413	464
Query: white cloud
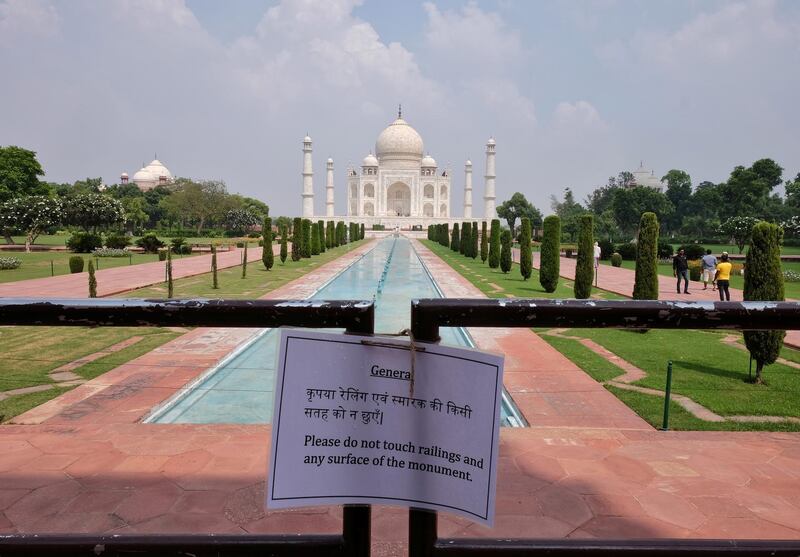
27	17
577	116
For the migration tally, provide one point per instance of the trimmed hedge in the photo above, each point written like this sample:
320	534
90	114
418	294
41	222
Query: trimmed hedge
76	264
455	241
584	266
550	263
473	250
86	242
494	245
267	257
484	242
525	255
616	260
505	251
645	285
693	251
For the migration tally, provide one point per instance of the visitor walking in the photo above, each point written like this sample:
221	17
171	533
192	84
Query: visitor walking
597	253
680	269
723	277
709	270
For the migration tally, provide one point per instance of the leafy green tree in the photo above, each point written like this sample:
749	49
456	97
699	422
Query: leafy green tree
19	173
92	211
31	215
284	246
267	257
494	245
199	202
739	228
763	281
505	251
455	242
473	250
645	286
240	221
679	193
516	208
747	190
550	253
525	254
297	239
135	214
630	203
569	211
92	281
584	267
484	242
305	246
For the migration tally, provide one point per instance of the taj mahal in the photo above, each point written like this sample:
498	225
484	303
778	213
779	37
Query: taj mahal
398	185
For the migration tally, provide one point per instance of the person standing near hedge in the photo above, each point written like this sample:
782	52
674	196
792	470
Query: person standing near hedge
680	269
709	270
723	277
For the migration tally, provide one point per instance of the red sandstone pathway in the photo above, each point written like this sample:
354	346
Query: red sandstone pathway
92	467
122	279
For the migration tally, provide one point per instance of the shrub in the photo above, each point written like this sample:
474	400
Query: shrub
150	243
455	241
76	264
693	251
606	249
84	242
627	251
695	270
111	252
584	267
8	263
305	244
763	281
253	235
484	243
382	227
525	255
665	250
240	244
176	245
550	263
616	259
645	286
118	241
267	257
494	244
186	249
92	281
162	255
791	276
505	251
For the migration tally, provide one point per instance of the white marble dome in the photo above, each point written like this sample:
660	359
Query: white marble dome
158	170
399	141
428	162
143	175
369	160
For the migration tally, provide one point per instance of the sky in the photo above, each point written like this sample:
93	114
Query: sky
573	91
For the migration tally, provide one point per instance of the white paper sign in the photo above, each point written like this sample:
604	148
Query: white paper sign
348	429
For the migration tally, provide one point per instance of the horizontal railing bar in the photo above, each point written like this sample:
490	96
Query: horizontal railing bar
427	315
200	545
354	315
610	548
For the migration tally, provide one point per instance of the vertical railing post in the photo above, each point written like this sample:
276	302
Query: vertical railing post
357	519
665	424
422	524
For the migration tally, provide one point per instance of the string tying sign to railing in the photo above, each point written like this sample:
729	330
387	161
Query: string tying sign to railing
347	428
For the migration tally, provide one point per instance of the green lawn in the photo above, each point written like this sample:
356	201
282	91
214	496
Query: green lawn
258	282
30	353
496	284
733	249
704	369
38	264
792	289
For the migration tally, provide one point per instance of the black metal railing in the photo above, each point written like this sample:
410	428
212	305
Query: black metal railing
353	315
427	316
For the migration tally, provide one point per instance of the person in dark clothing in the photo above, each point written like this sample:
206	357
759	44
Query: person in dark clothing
680	269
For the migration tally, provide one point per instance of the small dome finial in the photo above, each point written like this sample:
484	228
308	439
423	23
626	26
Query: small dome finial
399	110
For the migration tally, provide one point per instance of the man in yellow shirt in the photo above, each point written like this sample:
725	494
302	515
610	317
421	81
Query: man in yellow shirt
723	277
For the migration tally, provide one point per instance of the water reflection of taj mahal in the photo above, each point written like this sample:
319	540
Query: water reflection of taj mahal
399	185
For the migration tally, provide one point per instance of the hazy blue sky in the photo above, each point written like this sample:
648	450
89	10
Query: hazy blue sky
573	91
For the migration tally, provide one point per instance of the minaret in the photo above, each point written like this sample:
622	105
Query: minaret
468	189
488	199
308	180
329	190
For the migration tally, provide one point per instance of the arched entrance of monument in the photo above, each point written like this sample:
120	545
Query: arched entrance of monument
427	210
398	200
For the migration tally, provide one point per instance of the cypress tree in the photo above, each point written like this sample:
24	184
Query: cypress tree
430	232
584	267
494	245
362	236
446	235
473	249
297	239
170	284
455	243
305	247
525	255
341	233
763	281
550	262
466	241
505	251
244	261
484	243
267	257
330	236
93	279
314	239
284	234
645	285
214	279
321	229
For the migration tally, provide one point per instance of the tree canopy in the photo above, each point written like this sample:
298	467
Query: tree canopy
19	173
516	208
